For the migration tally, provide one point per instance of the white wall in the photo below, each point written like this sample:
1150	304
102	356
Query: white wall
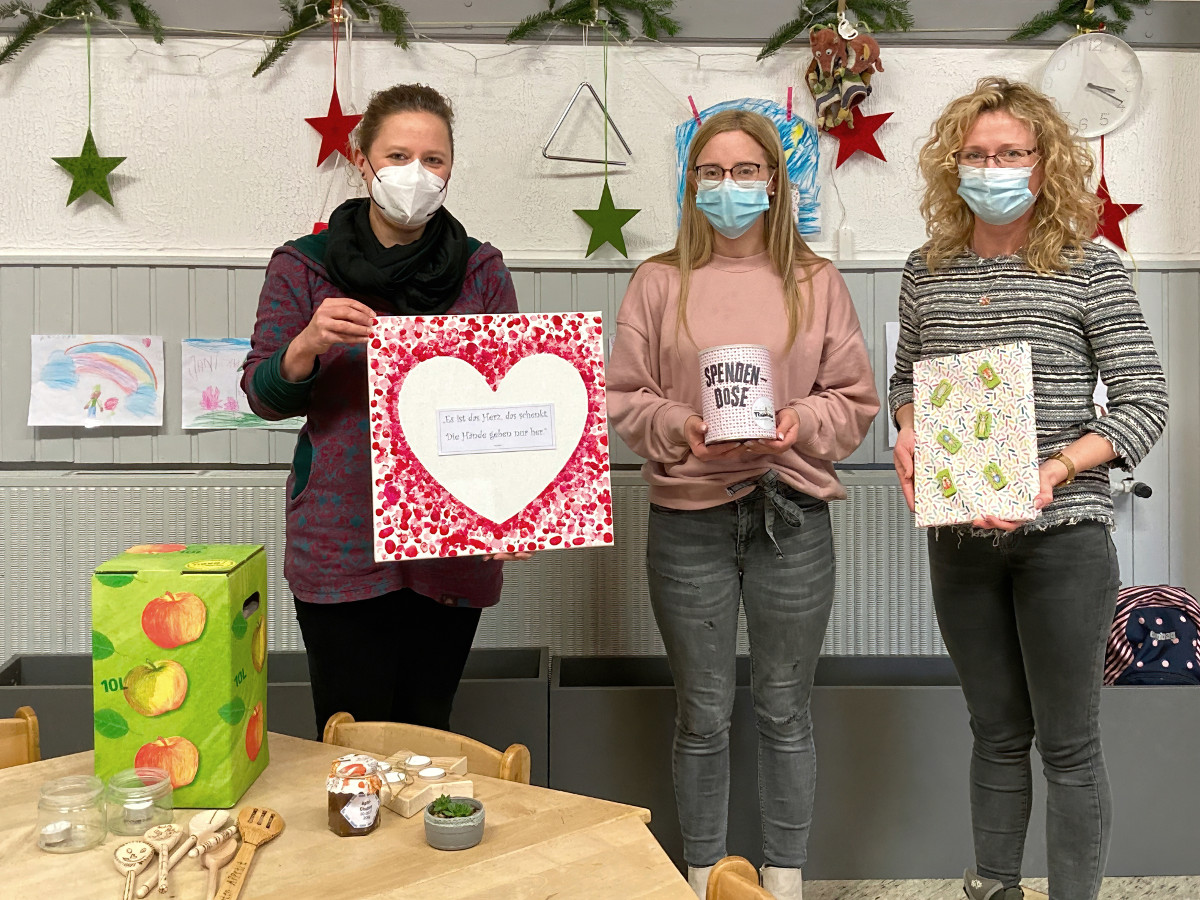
222	164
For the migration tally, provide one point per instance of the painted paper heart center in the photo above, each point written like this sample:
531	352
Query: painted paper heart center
496	485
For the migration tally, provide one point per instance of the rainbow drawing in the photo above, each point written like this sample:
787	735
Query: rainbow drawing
96	380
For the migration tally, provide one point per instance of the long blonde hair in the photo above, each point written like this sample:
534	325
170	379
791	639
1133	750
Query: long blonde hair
787	249
1066	212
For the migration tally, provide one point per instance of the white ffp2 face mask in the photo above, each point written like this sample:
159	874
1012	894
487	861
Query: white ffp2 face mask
408	194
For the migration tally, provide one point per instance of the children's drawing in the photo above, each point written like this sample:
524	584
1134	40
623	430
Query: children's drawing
95	380
799	147
212	391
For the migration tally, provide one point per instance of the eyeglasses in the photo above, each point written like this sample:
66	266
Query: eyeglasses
741	172
1003	158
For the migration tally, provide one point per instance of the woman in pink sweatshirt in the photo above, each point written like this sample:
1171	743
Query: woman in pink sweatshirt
744	521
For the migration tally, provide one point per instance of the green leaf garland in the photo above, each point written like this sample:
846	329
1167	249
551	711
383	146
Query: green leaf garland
869	15
580	13
61	12
304	15
1074	14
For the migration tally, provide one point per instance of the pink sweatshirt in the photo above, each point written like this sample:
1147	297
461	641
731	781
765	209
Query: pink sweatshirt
654	382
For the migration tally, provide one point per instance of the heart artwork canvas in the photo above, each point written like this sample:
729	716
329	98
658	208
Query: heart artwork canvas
976	448
489	434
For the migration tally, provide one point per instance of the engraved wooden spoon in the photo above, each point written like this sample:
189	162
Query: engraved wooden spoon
162	838
258	824
206	826
130	858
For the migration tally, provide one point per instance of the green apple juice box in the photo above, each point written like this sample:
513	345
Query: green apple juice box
179	667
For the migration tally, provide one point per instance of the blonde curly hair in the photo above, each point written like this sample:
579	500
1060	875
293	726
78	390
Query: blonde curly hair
1066	211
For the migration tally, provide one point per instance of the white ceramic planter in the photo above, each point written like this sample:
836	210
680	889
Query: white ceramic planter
455	834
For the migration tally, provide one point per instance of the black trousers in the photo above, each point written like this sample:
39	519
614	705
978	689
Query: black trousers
394	658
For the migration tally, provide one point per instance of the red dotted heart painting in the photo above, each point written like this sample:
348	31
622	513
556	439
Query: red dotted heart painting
488	434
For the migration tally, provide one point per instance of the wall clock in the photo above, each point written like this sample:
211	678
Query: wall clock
1096	80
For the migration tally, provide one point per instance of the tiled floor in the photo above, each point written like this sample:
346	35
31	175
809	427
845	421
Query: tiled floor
1114	889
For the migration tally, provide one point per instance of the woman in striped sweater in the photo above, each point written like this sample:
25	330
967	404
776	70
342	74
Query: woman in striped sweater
1025	607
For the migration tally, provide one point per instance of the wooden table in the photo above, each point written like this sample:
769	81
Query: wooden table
538	843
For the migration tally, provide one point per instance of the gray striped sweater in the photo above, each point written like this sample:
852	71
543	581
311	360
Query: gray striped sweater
1080	323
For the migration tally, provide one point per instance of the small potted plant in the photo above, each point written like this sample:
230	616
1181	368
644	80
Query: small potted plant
454	823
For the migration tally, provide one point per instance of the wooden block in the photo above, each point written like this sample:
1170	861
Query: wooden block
454	765
409	799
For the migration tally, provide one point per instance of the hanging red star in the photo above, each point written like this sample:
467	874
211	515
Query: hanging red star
335	127
860	137
1112	215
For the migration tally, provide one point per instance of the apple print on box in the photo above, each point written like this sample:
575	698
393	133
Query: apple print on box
179	657
489	433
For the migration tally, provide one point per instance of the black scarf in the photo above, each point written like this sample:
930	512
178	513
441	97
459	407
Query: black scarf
418	279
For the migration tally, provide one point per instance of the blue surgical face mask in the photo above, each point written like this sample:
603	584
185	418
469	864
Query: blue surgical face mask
997	195
731	207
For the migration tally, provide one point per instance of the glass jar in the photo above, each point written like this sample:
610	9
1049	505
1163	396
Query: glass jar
71	814
353	788
139	799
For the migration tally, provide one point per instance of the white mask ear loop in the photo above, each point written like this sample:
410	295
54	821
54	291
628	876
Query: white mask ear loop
370	193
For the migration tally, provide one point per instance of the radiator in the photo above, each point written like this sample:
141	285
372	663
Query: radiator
56	526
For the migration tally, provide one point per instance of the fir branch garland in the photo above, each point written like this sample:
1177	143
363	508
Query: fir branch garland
579	13
58	12
304	15
871	15
1073	13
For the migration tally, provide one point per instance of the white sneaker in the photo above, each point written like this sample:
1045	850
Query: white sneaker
698	880
783	884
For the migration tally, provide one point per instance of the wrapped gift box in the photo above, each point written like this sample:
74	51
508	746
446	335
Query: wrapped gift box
976	436
179	663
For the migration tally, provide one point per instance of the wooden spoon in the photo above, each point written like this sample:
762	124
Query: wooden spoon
162	838
258	824
130	858
204	825
177	854
223	835
215	860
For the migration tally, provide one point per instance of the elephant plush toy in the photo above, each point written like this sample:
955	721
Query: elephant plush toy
839	75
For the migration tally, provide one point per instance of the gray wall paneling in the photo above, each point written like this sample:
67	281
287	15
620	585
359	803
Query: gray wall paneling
18	316
1148	519
133	313
1183	434
177	299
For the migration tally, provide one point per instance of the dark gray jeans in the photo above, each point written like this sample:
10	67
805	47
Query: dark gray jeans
701	565
1026	619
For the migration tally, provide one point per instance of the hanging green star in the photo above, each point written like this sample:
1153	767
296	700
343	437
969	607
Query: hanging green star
89	170
607	222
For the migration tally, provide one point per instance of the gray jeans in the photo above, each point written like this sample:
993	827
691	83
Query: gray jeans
772	551
1026	620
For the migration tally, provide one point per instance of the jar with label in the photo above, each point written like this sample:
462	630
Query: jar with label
71	814
353	785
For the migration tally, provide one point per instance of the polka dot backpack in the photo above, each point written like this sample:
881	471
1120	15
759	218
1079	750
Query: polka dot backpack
1155	637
